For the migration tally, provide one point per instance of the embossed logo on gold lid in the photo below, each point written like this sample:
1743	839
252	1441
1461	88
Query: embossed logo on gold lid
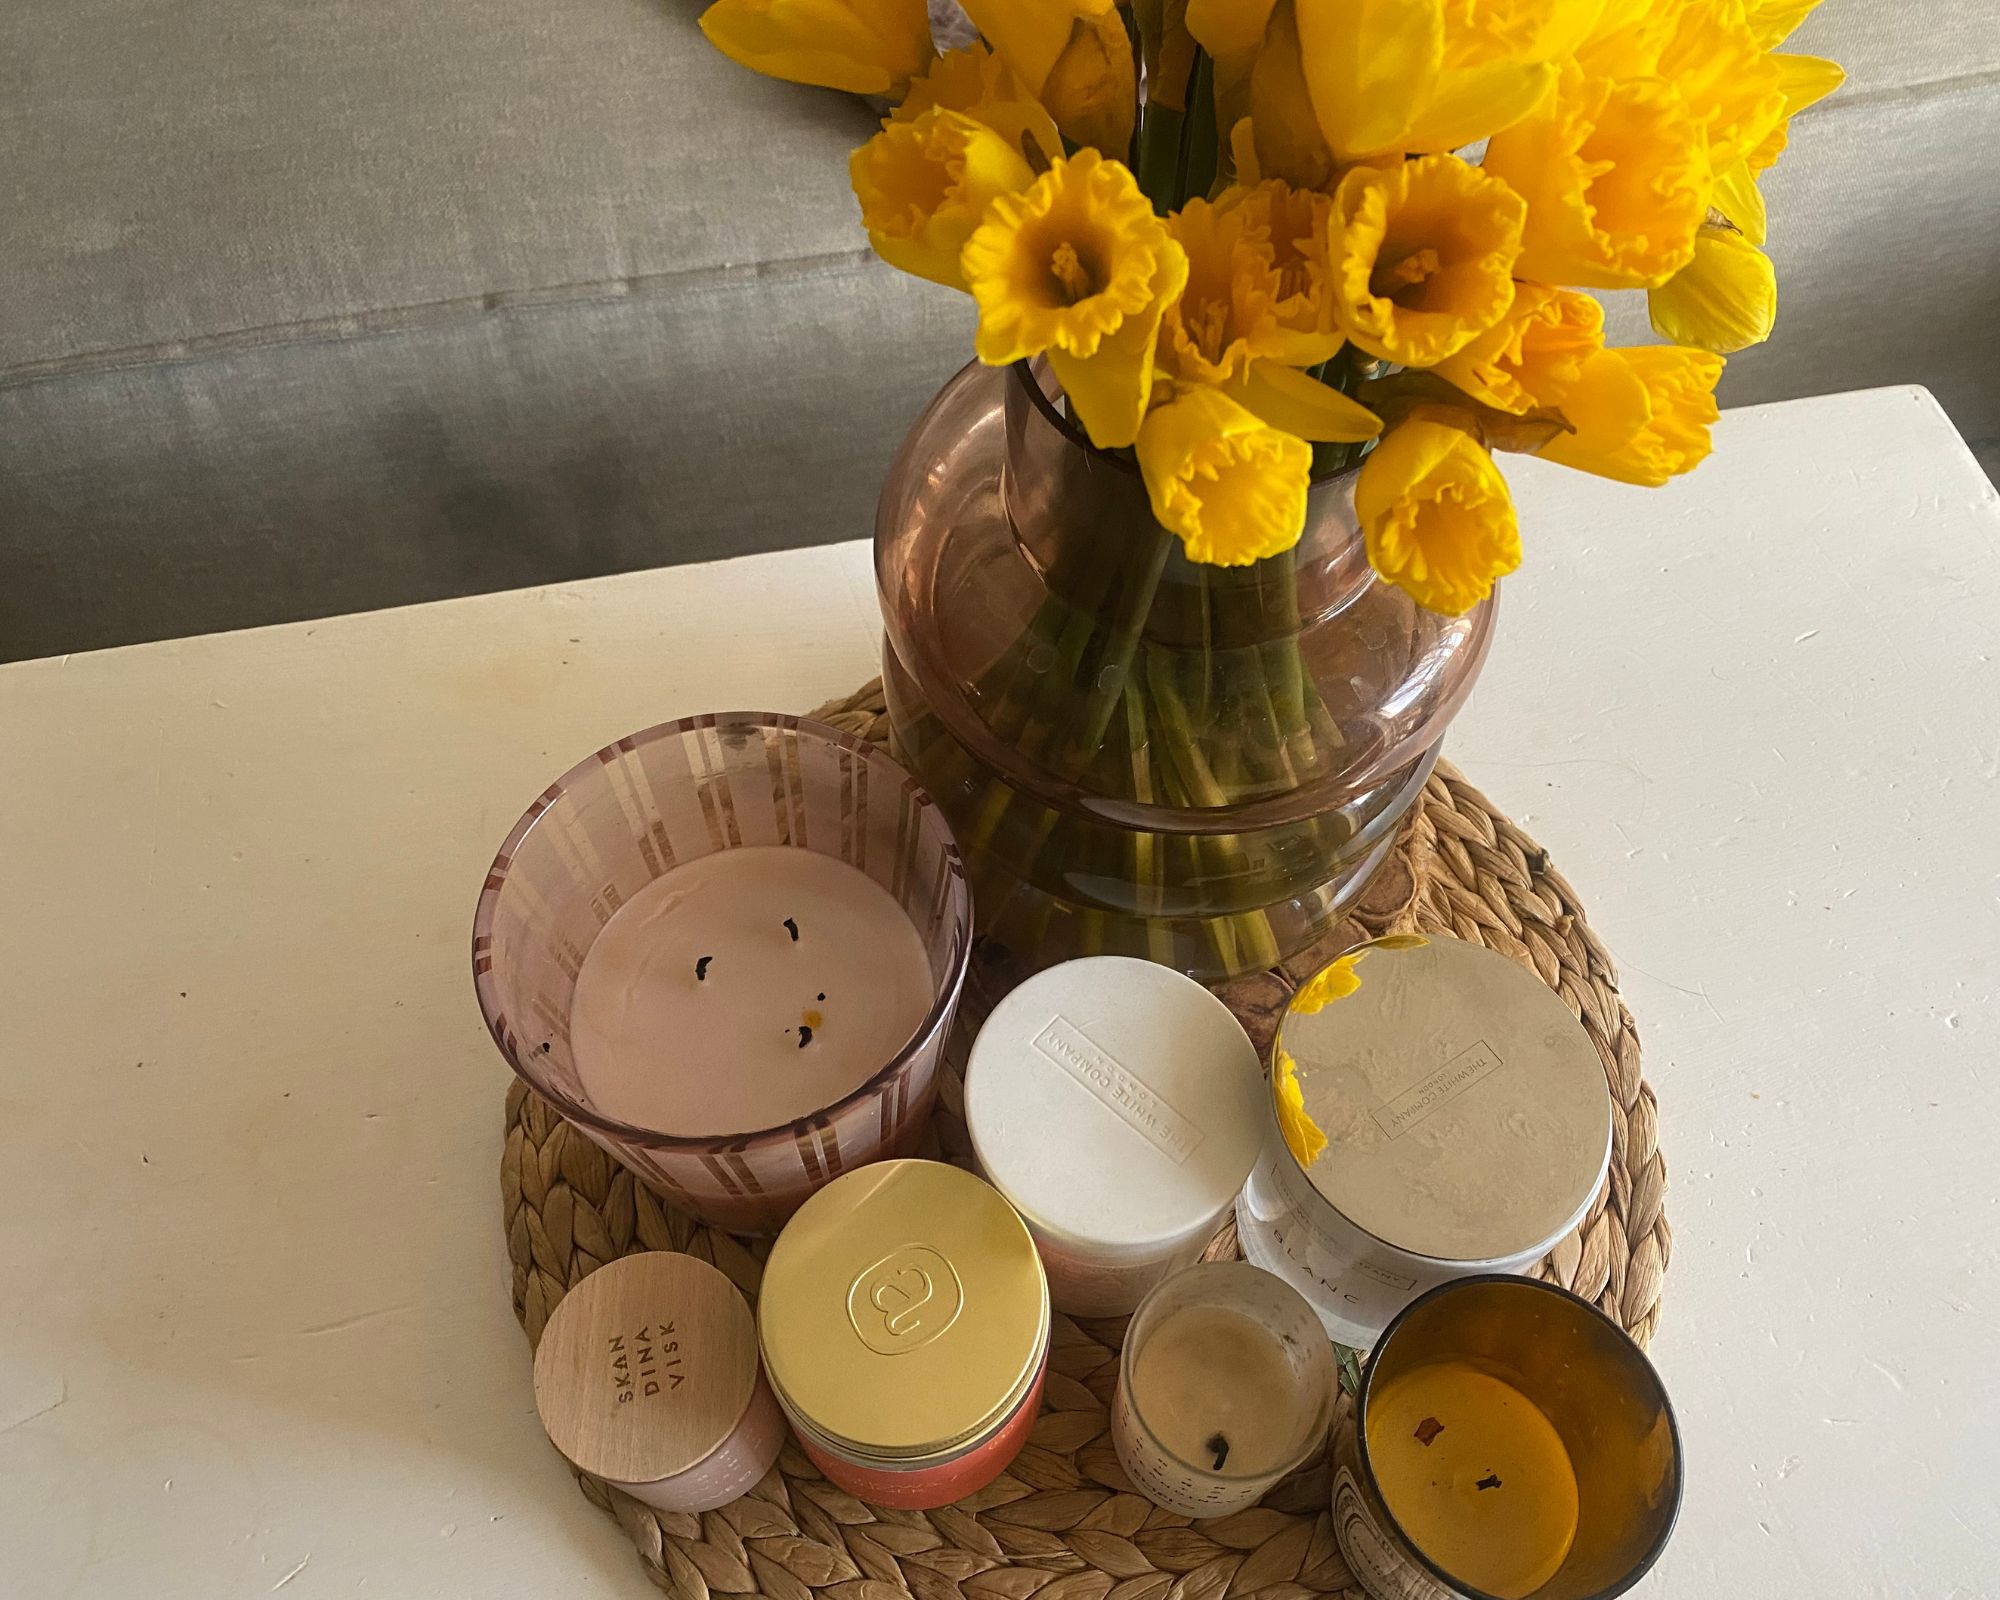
1442	1098
903	1310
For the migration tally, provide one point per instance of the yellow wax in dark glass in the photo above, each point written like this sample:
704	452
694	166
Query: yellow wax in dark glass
1476	1475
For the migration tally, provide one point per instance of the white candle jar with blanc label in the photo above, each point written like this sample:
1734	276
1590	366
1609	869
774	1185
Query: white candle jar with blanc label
1118	1106
1434	1111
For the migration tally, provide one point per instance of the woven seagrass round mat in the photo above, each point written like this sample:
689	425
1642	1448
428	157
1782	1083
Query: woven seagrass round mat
1062	1523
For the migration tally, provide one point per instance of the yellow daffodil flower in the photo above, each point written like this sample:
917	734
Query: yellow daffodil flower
1804	81
1256	289
1738	198
1423	257
1680	404
1289	226
1231	486
924	185
984	87
1533	353
1232	32
1075	57
1296	402
1079	267
1724	300
1708	52
862	46
1285	129
1370	66
1499	58
1548	354
1302	1135
1734	90
1773	21
1436	515
1220	323
1616	177
1387	77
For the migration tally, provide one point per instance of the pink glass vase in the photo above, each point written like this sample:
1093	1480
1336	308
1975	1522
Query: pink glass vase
621	818
1140	755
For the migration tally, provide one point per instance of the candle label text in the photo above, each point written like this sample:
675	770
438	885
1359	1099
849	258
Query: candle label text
1377	1565
1398	1116
1141	1107
645	1363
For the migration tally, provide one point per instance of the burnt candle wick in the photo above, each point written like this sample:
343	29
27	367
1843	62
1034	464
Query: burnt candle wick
701	969
1218	1446
792	928
805	1034
1490	1481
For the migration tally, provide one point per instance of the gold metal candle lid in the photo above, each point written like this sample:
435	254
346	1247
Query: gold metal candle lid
1465	1113
646	1367
903	1309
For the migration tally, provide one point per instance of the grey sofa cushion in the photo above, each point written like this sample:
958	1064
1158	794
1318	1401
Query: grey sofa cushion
319	306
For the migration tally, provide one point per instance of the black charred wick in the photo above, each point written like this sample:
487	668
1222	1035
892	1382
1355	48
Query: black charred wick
822	997
792	928
805	1035
1490	1481
701	969
1218	1446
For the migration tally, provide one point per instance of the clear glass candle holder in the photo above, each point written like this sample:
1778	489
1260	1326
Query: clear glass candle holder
660	799
1509	1442
1226	1383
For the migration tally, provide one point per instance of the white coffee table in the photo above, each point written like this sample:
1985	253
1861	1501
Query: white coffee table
254	1330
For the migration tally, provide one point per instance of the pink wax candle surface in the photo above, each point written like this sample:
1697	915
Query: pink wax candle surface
745	989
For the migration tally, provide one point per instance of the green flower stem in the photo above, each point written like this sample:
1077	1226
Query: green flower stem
1147	868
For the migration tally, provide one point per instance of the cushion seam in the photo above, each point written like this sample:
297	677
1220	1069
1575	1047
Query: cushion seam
422	316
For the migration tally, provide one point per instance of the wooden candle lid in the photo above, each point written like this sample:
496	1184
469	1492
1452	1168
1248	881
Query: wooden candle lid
646	1367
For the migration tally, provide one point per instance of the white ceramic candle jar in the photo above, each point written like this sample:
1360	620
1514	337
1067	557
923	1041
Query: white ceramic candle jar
1226	1384
1118	1105
647	1376
1435	1112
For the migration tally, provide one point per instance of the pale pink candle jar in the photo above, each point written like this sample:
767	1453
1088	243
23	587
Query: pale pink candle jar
904	1321
647	1376
729	950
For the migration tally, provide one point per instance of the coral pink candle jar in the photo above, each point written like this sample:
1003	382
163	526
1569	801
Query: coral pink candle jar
904	1320
647	1377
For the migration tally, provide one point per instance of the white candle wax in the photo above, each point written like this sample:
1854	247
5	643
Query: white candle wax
745	989
1225	1385
1216	1388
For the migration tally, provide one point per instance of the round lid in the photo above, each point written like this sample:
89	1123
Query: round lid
646	1367
1451	1104
1115	1100
903	1309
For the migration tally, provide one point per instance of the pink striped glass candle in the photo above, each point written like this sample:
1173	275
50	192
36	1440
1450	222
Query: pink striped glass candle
729	949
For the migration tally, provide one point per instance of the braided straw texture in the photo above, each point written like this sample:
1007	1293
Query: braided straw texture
1063	1523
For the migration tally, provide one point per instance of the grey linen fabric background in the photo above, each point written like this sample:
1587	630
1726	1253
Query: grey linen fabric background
316	305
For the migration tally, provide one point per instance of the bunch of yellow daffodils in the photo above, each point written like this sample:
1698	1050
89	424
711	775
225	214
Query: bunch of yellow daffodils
1239	230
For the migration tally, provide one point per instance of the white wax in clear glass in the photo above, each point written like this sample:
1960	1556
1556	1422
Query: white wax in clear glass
769	1027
